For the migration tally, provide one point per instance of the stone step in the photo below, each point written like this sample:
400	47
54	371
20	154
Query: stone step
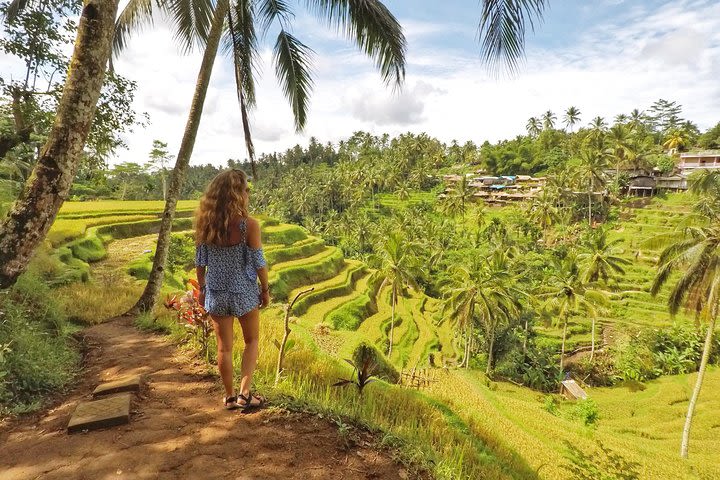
106	412
125	384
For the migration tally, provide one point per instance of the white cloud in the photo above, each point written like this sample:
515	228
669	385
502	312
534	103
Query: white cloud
671	51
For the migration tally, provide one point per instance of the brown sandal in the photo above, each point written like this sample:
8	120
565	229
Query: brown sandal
231	403
248	405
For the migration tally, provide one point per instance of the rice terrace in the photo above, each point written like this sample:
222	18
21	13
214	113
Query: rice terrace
417	275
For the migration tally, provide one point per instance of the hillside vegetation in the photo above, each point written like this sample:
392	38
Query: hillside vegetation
463	424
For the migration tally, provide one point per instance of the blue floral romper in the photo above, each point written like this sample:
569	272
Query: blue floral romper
231	276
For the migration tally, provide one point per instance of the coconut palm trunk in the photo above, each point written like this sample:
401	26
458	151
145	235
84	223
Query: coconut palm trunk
696	390
491	347
177	176
392	319
45	191
592	340
562	349
590	206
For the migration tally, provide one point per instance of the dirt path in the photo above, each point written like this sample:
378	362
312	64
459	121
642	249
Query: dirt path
178	428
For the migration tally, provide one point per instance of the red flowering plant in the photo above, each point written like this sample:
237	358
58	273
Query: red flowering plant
192	315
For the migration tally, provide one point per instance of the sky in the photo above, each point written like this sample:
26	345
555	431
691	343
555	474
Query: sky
604	57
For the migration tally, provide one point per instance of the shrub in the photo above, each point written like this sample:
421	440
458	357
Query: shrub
538	368
599	372
383	368
587	411
550	405
36	354
89	248
181	253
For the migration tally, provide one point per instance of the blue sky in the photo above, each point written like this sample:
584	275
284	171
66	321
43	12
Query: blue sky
604	57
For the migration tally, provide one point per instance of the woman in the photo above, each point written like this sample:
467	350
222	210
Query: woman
229	261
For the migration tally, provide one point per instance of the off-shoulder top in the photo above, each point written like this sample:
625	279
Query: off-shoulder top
233	268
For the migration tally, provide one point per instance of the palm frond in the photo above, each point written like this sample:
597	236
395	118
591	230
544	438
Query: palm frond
373	28
136	15
241	83
192	19
502	28
271	10
292	61
241	44
686	284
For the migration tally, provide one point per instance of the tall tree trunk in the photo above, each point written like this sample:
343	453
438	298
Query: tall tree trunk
177	176
466	360
33	213
696	391
592	340
393	299
590	207
525	338
491	347
164	186
562	350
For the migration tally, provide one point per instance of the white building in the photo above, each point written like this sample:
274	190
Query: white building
693	161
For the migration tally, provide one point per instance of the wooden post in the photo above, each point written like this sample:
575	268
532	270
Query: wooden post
281	354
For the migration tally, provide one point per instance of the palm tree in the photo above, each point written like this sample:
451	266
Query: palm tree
458	199
697	258
596	135
543	211
32	215
620	146
548	120
591	172
572	117
534	127
369	24
399	270
637	120
570	295
676	139
620	119
484	290
600	262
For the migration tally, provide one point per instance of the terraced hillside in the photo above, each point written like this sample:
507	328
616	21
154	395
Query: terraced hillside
346	296
631	302
348	300
640	429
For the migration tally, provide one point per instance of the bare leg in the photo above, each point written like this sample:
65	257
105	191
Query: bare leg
250	323
224	333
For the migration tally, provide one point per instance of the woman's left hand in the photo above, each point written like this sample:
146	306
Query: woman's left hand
264	298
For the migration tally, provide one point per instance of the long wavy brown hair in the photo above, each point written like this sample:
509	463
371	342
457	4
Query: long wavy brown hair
221	204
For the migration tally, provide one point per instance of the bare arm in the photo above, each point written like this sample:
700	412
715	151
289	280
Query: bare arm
200	273
254	242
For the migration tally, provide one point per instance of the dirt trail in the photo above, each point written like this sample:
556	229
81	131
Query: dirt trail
178	428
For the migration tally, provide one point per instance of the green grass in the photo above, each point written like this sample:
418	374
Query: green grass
642	426
342	284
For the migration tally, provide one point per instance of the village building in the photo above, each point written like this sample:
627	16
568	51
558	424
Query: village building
642	186
694	161
673	183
